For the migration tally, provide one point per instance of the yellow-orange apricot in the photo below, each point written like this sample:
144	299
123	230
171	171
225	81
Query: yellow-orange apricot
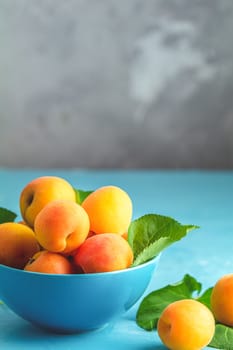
221	300
39	192
17	244
109	209
61	226
186	325
47	262
104	253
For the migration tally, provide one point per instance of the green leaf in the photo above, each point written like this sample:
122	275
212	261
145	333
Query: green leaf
6	215
81	195
151	251
205	297
151	233
154	303
223	338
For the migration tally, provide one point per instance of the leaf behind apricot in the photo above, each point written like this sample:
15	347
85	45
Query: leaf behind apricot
155	302
81	195
7	215
205	297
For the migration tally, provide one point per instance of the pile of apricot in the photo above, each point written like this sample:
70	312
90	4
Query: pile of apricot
59	235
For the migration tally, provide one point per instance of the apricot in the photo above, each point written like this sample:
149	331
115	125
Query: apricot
48	262
39	192
221	300
186	325
18	243
109	209
104	253
61	226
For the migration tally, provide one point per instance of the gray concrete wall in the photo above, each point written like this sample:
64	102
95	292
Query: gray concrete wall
107	83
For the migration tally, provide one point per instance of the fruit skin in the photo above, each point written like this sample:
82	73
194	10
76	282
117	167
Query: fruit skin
186	325
39	192
221	300
109	209
61	226
47	262
104	253
18	243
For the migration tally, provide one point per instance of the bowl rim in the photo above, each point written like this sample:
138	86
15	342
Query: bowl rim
84	275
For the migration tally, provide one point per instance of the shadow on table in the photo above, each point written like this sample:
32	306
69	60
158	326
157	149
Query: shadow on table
23	335
16	333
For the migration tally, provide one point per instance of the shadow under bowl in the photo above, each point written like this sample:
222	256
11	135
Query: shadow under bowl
74	303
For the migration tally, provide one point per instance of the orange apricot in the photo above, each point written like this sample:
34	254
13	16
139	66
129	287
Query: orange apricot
48	262
186	325
39	192
109	209
18	243
61	226
222	300
104	253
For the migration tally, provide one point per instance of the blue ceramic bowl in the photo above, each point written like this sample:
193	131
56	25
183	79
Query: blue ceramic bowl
73	303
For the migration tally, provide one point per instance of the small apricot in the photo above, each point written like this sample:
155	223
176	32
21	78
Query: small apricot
61	226
104	253
186	325
221	300
109	209
18	243
47	262
39	192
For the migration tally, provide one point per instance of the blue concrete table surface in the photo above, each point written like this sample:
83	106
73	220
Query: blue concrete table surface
203	198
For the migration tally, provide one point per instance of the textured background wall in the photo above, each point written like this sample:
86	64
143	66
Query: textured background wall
106	83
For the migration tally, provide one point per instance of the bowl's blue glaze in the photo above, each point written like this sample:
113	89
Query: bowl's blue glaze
73	303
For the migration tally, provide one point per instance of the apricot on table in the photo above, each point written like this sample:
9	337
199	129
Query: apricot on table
104	253
48	262
186	325
18	243
39	192
221	300
109	209
61	226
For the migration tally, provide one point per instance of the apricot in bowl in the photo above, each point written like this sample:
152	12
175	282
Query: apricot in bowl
67	303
